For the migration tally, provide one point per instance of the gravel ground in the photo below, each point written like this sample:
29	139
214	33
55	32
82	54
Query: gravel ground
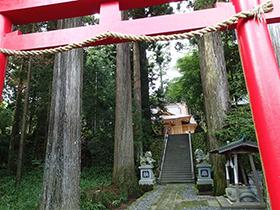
148	199
172	196
175	197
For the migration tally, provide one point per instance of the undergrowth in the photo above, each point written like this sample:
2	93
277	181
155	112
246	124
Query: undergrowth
27	196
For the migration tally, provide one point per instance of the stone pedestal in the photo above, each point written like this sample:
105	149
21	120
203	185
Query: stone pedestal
204	180
146	175
204	174
242	193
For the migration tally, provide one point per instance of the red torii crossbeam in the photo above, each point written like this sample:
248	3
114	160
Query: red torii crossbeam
258	58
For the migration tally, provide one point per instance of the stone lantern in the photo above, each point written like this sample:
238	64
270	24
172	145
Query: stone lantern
204	174
204	180
146	169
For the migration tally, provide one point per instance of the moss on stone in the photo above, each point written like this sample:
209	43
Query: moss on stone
191	204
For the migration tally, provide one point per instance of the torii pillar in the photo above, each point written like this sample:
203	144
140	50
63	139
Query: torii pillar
258	58
263	84
5	27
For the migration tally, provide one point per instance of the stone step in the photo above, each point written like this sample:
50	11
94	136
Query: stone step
178	162
182	168
176	177
176	159
185	170
176	172
170	179
182	162
177	167
165	181
185	166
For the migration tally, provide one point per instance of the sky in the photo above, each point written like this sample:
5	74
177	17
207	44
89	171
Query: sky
172	72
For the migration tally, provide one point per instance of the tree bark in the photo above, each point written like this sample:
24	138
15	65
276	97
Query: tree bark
23	125
61	187
216	97
15	128
274	30
138	132
123	171
145	97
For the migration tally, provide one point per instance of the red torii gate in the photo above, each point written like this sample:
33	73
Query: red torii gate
258	57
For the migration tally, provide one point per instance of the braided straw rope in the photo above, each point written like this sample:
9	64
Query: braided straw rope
257	13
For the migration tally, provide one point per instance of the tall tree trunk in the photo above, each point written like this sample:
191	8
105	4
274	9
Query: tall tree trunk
61	187
123	171
23	125
15	128
145	97
216	97
138	132
95	103
275	36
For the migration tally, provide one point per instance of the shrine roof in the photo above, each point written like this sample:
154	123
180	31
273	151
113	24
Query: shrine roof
176	117
240	146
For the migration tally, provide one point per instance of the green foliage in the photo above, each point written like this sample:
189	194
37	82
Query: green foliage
199	141
204	4
5	130
93	181
6	119
238	123
95	176
99	105
237	86
188	87
162	9
105	197
156	147
39	103
28	194
159	59
24	197
152	69
99	81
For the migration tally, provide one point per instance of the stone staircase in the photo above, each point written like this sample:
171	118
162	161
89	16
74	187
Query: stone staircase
177	165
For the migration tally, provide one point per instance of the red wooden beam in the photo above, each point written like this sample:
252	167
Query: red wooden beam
27	11
110	13
165	24
263	84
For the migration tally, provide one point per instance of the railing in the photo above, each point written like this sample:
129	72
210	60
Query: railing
163	155
191	154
